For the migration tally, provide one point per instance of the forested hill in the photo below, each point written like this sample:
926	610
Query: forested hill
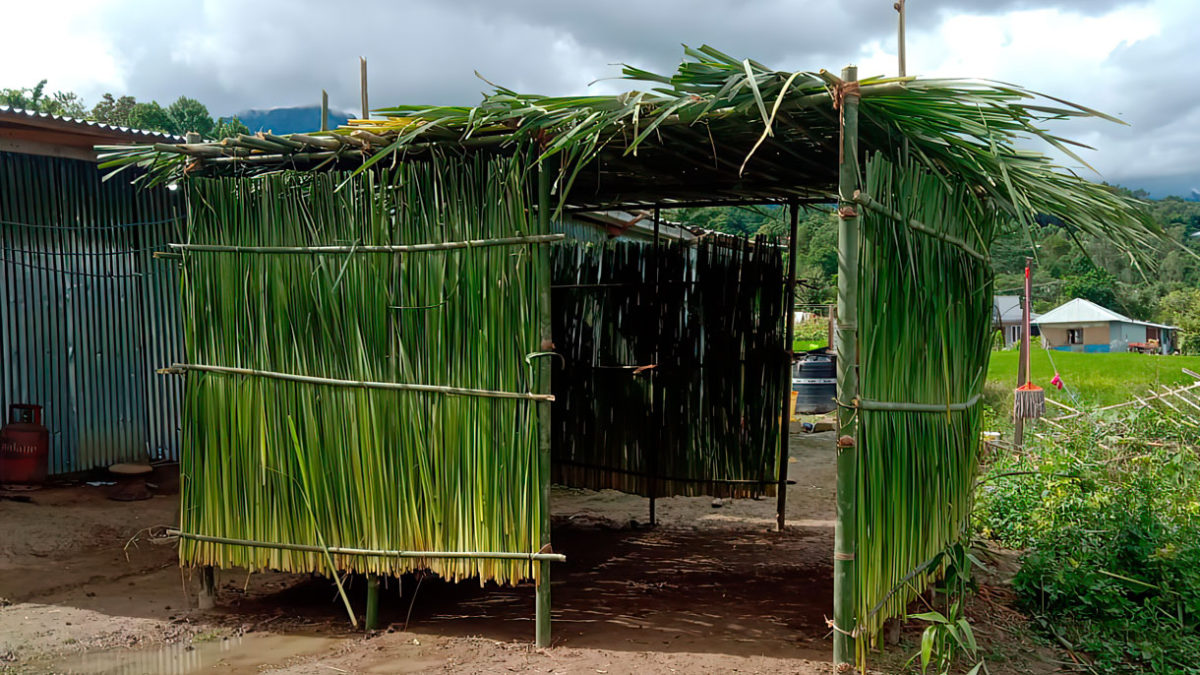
1063	268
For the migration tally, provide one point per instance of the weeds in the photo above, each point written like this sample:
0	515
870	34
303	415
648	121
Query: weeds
1107	509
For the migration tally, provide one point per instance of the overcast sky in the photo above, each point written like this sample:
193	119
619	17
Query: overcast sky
1137	60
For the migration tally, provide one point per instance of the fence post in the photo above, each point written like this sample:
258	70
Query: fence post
789	316
542	605
845	540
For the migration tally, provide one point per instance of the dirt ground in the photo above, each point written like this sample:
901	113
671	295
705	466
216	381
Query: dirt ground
709	590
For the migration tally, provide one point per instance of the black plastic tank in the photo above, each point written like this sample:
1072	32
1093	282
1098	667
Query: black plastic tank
814	379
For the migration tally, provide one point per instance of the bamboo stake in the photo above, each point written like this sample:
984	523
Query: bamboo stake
372	618
542	603
789	305
177	368
408	248
362	75
324	110
845	534
655	383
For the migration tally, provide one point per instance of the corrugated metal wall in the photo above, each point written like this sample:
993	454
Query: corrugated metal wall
88	313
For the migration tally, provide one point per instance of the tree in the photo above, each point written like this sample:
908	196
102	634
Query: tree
228	128
188	114
1095	285
114	111
1182	308
151	117
64	103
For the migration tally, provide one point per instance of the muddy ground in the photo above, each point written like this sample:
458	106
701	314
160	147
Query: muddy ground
709	590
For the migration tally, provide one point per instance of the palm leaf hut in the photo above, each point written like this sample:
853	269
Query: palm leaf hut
388	389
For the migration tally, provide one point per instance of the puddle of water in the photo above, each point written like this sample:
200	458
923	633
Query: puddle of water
229	655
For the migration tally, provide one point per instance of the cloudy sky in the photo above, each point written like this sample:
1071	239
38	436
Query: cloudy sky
1137	60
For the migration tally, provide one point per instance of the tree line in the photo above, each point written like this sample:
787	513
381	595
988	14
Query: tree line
180	117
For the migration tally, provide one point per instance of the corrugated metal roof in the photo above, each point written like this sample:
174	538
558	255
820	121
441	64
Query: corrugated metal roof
21	114
1086	311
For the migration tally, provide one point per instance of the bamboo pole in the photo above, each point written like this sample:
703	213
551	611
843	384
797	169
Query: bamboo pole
324	110
900	39
177	368
789	305
207	597
656	398
374	553
407	248
362	76
845	534
1023	359
542	603
372	618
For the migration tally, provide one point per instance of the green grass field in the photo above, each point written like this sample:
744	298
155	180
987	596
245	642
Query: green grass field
1096	379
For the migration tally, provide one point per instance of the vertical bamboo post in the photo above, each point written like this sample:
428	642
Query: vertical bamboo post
845	537
1023	357
372	621
655	384
362	76
207	597
900	38
324	110
789	309
542	609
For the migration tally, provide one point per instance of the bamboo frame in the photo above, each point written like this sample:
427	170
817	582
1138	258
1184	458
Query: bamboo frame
410	248
180	368
845	540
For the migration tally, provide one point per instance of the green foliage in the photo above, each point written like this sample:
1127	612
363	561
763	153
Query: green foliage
151	117
949	638
1094	284
229	127
1182	308
1108	510
114	111
188	115
35	98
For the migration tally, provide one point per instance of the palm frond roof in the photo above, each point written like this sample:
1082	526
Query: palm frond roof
718	130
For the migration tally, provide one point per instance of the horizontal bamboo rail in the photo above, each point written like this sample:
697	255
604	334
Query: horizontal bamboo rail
903	406
337	550
865	200
181	368
405	248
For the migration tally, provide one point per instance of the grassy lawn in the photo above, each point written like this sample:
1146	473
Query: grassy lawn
1098	379
807	345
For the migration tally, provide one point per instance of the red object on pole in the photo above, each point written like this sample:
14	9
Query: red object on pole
24	445
1028	337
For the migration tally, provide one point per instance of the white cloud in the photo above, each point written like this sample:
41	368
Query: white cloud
1138	59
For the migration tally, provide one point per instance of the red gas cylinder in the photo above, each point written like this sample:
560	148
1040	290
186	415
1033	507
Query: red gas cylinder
24	445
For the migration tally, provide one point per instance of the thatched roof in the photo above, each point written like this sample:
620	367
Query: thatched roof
719	130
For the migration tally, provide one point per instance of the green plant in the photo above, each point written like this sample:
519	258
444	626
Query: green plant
949	638
1108	511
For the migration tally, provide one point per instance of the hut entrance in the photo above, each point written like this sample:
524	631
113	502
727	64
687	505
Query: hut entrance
670	375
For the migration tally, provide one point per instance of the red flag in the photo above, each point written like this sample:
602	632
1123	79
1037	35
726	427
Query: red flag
1057	381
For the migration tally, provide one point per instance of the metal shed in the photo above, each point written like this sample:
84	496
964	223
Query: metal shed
87	313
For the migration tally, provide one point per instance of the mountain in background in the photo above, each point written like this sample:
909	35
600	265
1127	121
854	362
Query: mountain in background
298	119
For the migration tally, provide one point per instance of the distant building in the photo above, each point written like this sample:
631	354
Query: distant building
1083	326
1006	318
